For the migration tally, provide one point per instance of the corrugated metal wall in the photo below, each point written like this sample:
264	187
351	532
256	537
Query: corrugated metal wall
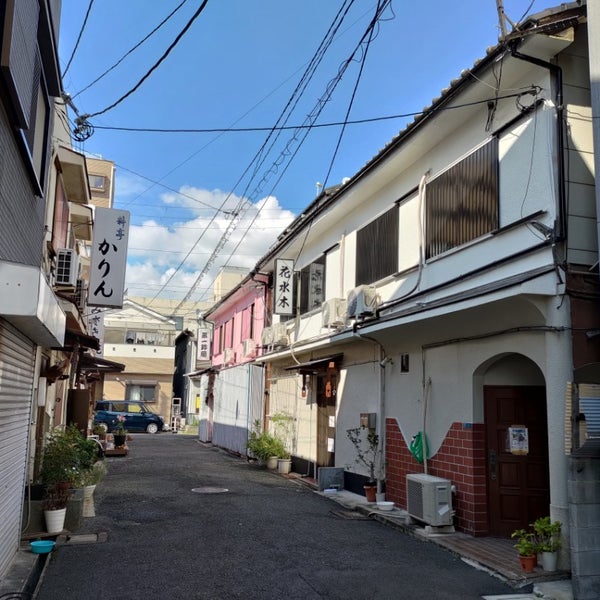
17	359
238	401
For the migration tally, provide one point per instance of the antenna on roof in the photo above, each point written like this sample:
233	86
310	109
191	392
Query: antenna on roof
502	19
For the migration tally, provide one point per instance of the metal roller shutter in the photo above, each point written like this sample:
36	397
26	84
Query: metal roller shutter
17	358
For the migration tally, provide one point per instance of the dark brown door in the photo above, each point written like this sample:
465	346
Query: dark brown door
326	419
518	484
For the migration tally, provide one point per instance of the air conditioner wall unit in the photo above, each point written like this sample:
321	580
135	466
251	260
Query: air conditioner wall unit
266	337
362	301
249	348
67	268
429	499
228	356
280	336
334	312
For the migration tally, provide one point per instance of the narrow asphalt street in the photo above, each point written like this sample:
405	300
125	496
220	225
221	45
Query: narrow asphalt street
267	537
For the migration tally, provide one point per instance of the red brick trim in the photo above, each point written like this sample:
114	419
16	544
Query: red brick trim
461	459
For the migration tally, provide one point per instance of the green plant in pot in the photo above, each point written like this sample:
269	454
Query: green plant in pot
119	431
66	454
264	445
368	455
526	548
547	541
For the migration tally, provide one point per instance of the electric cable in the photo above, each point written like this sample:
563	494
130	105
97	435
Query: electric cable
83	120
256	158
85	20
157	28
418	113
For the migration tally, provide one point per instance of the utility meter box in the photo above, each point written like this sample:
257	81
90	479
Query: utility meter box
368	420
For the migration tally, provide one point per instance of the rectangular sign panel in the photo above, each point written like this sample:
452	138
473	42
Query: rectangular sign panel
283	287
109	257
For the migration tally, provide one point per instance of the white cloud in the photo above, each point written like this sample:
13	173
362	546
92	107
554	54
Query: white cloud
157	248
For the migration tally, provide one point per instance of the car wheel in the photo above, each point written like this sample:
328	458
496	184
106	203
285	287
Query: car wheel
152	428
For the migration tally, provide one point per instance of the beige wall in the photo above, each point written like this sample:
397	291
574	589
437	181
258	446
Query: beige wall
106	168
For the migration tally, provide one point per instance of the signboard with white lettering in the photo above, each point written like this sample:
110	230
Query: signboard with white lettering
109	257
283	288
95	326
203	352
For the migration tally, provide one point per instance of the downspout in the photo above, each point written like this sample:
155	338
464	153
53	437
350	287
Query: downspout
556	71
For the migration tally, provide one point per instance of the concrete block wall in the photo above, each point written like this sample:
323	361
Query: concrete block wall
461	459
584	526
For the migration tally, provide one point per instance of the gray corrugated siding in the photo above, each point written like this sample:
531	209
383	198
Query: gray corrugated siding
16	386
238	401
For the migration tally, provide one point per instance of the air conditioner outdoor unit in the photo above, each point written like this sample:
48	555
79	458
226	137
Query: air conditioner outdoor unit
249	348
280	336
266	337
228	356
429	499
334	312
362	301
67	267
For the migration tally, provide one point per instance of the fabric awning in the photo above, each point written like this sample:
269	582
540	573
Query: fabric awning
316	365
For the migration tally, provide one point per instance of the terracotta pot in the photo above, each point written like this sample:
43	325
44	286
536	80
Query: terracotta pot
371	493
528	563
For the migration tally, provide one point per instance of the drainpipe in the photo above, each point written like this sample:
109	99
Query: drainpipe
556	71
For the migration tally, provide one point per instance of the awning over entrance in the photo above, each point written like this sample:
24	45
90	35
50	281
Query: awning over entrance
316	365
95	363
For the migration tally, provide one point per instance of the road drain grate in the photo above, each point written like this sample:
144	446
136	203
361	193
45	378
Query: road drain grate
209	490
349	514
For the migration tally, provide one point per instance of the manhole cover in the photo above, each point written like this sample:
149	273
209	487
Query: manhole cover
209	490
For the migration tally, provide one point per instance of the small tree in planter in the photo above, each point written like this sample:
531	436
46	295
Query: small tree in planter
263	445
369	455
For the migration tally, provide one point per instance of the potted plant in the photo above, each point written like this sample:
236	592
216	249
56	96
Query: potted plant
526	548
547	541
282	431
55	508
119	432
264	446
369	455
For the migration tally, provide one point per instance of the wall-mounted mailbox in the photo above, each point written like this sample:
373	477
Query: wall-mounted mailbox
368	420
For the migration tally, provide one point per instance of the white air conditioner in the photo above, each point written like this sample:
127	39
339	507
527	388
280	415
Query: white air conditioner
334	312
362	301
429	499
228	356
249	348
67	268
280	336
266	337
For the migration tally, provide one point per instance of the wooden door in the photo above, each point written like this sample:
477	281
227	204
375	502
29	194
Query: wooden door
326	419
518	484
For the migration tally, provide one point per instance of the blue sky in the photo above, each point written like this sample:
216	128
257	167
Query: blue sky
237	67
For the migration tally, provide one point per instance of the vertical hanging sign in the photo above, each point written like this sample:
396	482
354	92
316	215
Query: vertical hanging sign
203	351
109	257
283	293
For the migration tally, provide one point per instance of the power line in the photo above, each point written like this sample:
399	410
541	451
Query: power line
85	20
307	126
131	50
82	121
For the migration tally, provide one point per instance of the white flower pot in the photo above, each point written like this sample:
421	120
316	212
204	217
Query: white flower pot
284	465
55	520
549	560
272	462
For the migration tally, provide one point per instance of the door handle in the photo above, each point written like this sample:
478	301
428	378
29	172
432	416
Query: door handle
492	462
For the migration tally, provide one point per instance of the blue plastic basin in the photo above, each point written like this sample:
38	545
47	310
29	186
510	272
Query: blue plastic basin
42	546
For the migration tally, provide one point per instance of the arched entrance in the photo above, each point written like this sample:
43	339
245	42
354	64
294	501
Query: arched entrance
516	430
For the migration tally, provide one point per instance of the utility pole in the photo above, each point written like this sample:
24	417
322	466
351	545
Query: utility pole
502	19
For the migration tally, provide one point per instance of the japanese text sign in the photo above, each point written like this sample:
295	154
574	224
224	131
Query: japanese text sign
109	257
283	292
